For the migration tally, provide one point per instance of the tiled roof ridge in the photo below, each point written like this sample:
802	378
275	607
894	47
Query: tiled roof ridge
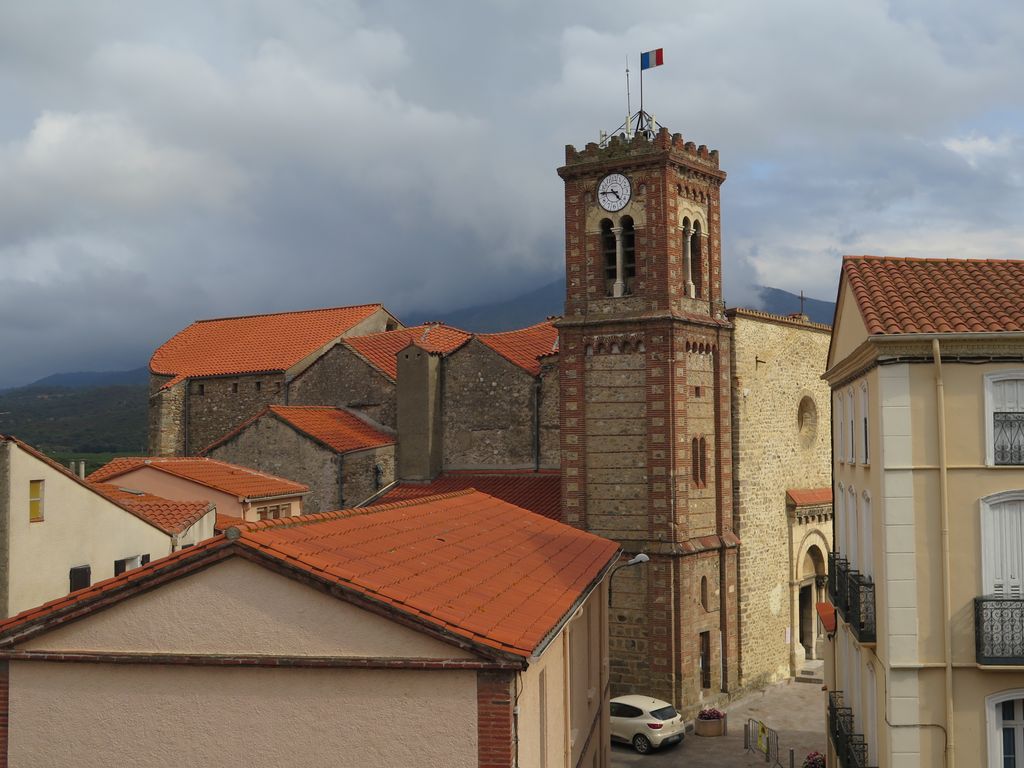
339	514
84	482
163	464
924	259
541	324
197	508
379	305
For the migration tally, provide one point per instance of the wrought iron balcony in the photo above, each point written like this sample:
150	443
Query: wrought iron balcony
853	595
860	601
851	748
999	630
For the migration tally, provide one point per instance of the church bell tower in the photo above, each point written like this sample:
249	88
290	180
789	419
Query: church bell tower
645	409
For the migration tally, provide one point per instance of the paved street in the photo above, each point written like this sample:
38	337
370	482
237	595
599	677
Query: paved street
795	710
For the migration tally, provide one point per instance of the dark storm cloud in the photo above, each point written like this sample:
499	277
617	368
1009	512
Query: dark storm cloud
166	162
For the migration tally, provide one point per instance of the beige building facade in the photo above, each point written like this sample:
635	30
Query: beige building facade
58	533
243	632
927	372
781	449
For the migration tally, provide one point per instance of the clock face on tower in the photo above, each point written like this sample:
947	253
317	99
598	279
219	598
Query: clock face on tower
613	192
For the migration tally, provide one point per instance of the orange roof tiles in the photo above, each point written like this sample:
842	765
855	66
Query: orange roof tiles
219	475
380	349
524	346
808	497
898	296
336	428
166	514
539	492
253	344
465	564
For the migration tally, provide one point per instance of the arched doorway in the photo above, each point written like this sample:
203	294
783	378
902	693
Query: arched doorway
811	587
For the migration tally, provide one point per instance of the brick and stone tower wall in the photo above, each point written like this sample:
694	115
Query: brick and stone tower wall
645	408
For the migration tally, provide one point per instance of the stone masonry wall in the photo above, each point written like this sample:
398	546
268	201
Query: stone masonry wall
165	418
488	419
343	378
215	406
359	476
550	452
776	364
270	445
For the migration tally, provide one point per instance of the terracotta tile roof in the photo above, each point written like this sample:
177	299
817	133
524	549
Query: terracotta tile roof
336	428
539	492
464	564
253	344
227	521
87	484
166	514
380	349
937	295
221	476
525	346
809	497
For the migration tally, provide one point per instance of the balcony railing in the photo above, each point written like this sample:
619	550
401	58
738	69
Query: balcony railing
853	595
999	630
851	748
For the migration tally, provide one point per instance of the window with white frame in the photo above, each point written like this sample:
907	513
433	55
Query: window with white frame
852	529
1002	544
1004	418
840	519
1004	713
837	419
866	565
864	456
851	423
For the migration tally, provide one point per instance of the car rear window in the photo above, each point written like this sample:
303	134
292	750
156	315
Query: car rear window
665	713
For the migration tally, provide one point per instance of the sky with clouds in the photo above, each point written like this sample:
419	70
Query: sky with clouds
164	162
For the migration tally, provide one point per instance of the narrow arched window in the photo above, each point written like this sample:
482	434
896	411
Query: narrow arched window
703	461
608	254
628	252
698	261
695	460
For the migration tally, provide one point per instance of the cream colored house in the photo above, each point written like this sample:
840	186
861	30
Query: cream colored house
454	631
927	375
59	533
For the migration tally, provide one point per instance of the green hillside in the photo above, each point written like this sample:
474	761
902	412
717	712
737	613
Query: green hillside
59	420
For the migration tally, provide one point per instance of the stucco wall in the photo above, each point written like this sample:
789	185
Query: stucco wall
79	527
487	410
776	365
171	487
238	608
152	716
343	378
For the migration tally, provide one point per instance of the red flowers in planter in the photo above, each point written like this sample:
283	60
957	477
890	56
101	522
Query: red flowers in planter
710	713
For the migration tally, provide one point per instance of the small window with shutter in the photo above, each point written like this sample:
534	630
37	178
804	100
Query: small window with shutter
80	577
35	501
1002	532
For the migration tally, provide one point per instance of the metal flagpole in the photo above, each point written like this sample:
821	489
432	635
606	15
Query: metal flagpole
640	115
629	107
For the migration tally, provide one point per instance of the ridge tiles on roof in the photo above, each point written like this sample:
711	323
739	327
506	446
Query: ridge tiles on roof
913	295
252	343
170	515
219	475
539	492
381	349
524	346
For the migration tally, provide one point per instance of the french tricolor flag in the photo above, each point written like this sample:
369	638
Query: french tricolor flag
653	58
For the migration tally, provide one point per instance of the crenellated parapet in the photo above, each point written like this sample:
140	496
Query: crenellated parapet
640	146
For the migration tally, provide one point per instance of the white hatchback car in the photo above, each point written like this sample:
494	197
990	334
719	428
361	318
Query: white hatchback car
645	723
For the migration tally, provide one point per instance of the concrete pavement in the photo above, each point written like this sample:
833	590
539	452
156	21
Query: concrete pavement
795	710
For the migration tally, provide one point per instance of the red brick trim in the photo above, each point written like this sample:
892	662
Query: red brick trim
199	660
494	702
5	701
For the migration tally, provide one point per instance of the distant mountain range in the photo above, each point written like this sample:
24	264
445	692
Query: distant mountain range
548	300
105	411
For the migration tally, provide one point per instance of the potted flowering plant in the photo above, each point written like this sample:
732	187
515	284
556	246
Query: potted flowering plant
814	760
710	722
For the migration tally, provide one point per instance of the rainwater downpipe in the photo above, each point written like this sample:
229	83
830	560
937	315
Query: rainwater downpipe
940	413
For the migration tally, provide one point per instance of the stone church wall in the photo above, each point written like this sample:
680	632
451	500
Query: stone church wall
343	378
360	480
215	406
487	410
550	449
777	362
